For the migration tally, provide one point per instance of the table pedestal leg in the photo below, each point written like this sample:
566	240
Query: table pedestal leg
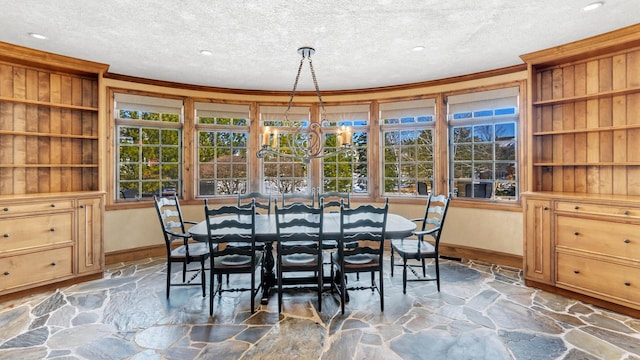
269	276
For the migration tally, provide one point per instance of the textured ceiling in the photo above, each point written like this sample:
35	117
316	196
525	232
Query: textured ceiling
359	44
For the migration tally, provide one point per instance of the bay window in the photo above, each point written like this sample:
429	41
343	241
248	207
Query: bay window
148	145
407	129
222	132
483	144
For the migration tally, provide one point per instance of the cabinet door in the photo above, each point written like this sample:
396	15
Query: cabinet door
90	252
538	255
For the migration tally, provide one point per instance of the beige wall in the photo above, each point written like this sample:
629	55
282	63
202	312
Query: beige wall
492	230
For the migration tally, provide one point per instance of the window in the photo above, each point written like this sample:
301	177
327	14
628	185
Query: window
483	140
223	135
407	145
283	174
346	172
149	146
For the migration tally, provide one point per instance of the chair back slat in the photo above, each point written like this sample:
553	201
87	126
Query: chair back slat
308	199
262	202
333	200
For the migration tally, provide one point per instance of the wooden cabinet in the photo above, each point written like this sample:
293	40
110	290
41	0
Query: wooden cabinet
51	201
49	239
597	248
89	240
538	247
583	164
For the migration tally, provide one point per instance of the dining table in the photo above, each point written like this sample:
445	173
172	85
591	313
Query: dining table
397	227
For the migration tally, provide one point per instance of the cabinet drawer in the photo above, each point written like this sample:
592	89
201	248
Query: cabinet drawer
580	208
613	282
32	231
28	269
603	237
29	208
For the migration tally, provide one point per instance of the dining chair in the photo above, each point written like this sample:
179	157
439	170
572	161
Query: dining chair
308	198
365	225
332	200
299	235
262	201
232	224
417	248
174	230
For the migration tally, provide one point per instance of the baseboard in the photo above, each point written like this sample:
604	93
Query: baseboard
585	298
49	287
135	254
489	256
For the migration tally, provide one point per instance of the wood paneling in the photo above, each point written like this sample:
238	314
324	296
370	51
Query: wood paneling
586	129
49	131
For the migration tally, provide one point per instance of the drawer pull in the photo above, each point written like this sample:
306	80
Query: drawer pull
576	207
626	212
6	273
53	205
576	271
81	206
5	235
626	241
545	208
53	264
627	284
52	229
576	233
5	209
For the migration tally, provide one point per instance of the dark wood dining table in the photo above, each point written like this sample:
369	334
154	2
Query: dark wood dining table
397	227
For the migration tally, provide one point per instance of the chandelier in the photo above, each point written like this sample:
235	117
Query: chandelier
304	143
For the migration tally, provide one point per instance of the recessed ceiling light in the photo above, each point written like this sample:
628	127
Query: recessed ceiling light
38	36
593	6
418	48
206	52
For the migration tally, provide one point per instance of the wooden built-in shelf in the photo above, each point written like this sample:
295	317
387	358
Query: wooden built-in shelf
49	135
48	104
598	95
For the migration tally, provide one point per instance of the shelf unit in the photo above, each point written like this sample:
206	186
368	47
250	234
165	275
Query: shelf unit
51	199
583	152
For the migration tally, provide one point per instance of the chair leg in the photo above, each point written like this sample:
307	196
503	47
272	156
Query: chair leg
168	277
343	292
373	281
253	286
203	275
392	261
381	291
184	270
211	291
438	273
424	269
404	275
320	288
279	288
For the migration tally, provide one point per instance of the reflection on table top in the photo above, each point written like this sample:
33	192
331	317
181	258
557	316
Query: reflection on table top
397	227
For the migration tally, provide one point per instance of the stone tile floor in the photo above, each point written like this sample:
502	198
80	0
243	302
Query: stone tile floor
482	312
